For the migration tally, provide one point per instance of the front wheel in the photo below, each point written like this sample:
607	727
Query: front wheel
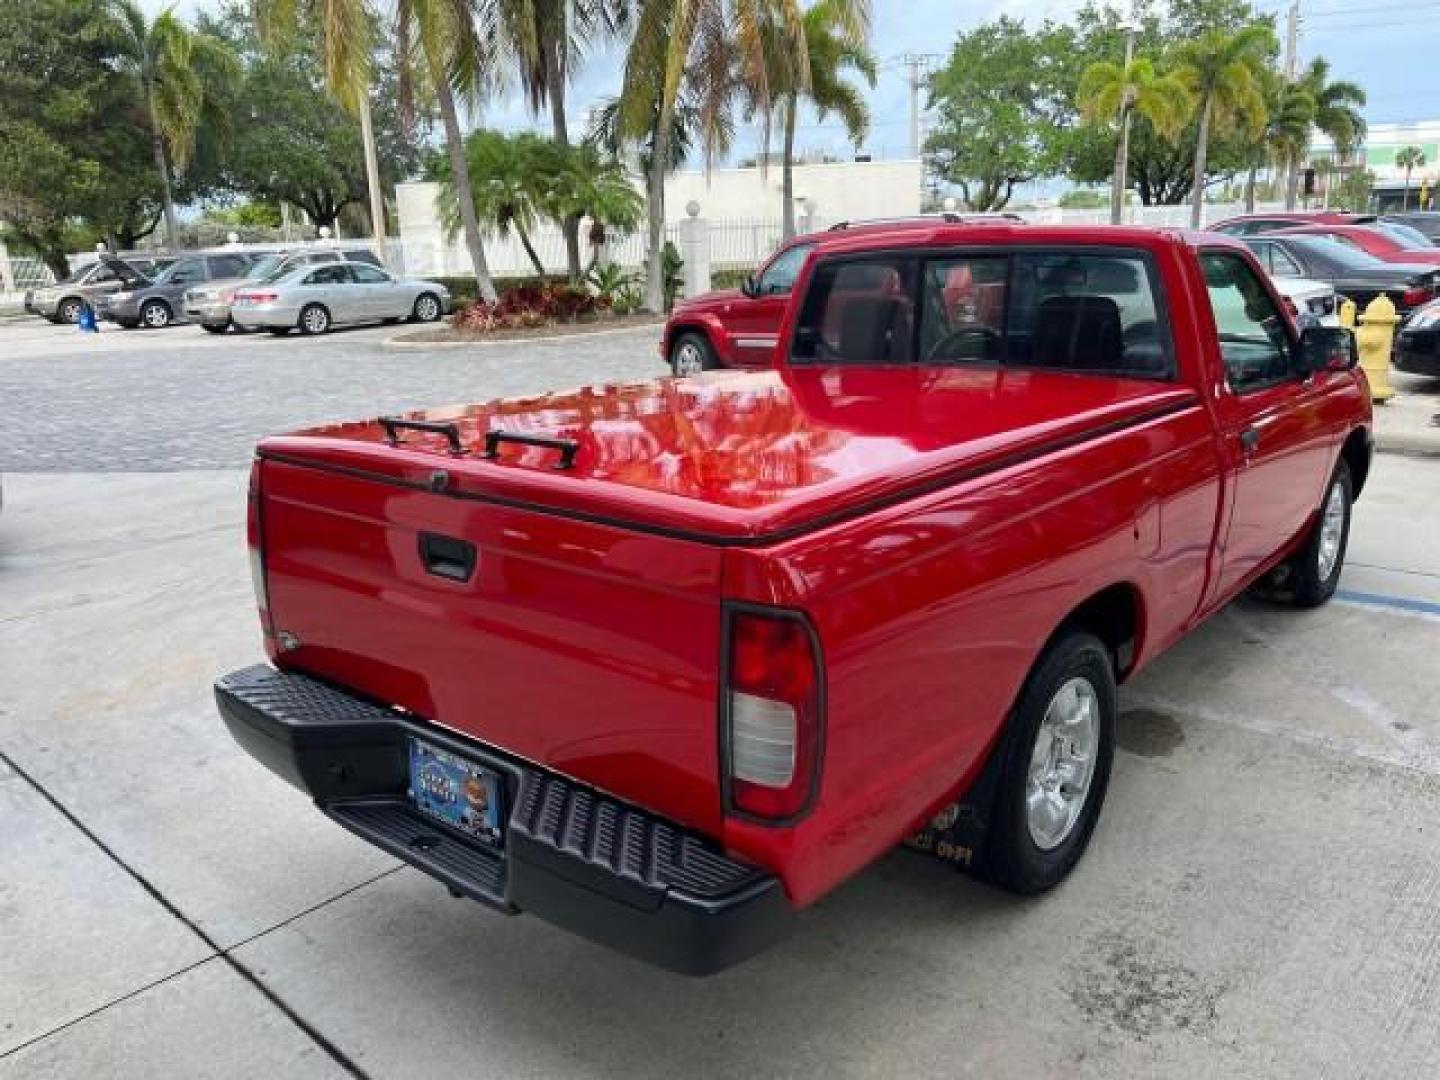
427	308
1314	572
1056	767
155	314
314	319
69	311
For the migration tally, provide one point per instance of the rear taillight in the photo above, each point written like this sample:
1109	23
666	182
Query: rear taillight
255	541
257	297
774	727
1414	297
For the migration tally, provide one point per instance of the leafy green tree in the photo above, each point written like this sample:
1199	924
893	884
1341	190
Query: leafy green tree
998	109
1221	69
184	79
1409	158
714	48
1109	90
1289	113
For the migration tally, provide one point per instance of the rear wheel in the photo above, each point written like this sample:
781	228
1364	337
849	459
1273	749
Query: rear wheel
427	308
1056	767
155	314
314	319
69	310
691	354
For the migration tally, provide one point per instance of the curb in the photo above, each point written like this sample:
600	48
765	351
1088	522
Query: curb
400	343
1408	442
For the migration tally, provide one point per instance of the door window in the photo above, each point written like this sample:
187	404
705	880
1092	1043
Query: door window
223	266
858	312
368	275
778	278
1254	338
333	274
1281	263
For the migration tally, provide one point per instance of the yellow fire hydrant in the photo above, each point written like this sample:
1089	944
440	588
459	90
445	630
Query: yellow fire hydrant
1347	313
1375	338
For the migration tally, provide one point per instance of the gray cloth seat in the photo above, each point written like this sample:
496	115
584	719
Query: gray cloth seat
1080	332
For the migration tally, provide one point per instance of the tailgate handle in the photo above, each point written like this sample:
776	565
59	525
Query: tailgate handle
568	447
446	557
394	424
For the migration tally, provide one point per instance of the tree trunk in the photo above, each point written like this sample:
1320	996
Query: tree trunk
1292	179
372	176
1122	159
162	166
1197	207
530	251
555	91
1250	190
787	171
460	170
655	210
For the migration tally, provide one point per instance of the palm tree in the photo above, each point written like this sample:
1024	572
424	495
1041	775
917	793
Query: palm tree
1289	114
836	42
713	47
1112	90
505	199
1221	70
1337	115
1409	158
346	33
547	52
167	58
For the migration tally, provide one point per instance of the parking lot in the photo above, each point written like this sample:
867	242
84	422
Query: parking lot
1260	900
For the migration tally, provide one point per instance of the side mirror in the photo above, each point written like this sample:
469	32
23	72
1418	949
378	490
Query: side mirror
750	287
1327	348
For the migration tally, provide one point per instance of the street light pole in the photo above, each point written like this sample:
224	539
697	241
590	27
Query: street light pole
1122	154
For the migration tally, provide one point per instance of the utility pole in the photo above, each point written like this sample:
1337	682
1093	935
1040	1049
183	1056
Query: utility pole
1292	39
919	66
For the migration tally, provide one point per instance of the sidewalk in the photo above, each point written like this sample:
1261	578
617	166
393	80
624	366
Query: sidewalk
1403	424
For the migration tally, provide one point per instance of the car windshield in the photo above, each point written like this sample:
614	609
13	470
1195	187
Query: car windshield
1408	235
1337	253
191	269
263	268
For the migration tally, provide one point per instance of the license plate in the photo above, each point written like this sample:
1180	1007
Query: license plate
453	790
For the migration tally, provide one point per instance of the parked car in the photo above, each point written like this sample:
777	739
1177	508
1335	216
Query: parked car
1253	224
63	301
1425	222
739	327
157	303
1354	274
209	304
1388	243
1417	345
1309	301
664	662
315	298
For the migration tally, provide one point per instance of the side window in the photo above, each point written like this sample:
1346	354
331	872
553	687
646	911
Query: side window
368	275
1086	313
187	270
330	274
779	277
223	266
103	272
1281	263
362	255
858	312
1254	340
962	309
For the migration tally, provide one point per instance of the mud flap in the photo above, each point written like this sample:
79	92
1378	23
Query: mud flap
957	834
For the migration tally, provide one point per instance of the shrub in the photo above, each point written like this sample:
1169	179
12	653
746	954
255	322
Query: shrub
534	304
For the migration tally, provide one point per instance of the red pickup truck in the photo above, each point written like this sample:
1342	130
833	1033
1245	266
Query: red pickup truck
663	663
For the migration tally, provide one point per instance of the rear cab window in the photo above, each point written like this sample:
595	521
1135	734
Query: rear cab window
1081	311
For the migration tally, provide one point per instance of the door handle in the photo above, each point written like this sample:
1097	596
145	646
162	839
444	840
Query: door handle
447	557
1249	439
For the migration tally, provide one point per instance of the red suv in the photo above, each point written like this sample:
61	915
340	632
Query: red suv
739	327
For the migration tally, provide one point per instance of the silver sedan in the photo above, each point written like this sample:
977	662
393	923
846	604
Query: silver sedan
314	298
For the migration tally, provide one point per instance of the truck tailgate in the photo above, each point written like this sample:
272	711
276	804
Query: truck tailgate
579	646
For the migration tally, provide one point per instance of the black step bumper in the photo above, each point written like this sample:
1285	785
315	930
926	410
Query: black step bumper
573	856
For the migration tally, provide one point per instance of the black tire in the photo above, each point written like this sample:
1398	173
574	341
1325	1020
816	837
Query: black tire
155	315
1302	579
1013	858
68	310
314	319
428	308
688	350
213	329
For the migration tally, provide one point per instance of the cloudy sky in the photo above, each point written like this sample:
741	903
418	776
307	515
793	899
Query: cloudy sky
1388	46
